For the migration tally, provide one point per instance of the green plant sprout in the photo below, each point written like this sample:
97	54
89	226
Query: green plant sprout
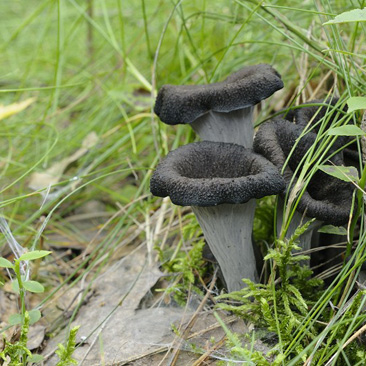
65	353
17	353
282	306
189	266
21	284
240	352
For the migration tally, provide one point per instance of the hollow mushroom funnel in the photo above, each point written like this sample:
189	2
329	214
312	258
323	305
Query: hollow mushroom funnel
312	117
326	198
221	182
220	111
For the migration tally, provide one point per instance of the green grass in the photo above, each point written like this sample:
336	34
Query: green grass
100	70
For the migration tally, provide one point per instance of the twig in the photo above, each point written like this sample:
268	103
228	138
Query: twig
218	345
193	319
320	84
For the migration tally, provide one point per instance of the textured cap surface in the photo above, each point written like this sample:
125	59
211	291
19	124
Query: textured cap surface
313	114
179	104
210	173
326	198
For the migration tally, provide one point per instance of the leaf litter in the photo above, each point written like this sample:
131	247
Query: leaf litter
110	312
116	329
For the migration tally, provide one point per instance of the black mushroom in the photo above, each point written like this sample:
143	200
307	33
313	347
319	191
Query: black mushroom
221	182
326	198
220	111
318	116
324	115
315	111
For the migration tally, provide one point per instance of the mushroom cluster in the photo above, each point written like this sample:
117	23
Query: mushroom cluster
221	176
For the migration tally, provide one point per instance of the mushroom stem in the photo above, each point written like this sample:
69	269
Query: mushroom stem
228	231
235	126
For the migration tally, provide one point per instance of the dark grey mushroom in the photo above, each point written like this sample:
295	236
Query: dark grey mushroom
221	182
220	111
326	198
327	111
326	114
314	114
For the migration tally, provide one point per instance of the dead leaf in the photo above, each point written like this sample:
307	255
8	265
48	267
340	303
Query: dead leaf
111	310
8	302
122	332
11	109
53	174
35	336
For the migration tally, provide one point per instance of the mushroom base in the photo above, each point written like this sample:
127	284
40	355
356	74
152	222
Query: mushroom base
235	127
228	231
298	219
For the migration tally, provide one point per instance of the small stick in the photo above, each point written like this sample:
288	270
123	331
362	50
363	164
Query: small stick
218	345
193	319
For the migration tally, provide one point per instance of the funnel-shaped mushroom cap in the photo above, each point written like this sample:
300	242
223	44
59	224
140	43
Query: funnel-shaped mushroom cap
326	198
313	114
305	113
211	173
179	104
